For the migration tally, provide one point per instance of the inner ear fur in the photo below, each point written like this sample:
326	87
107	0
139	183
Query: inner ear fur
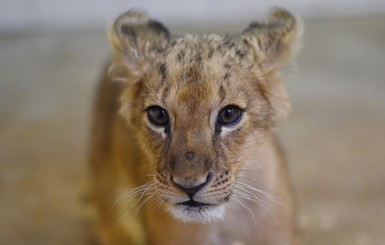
136	40
275	40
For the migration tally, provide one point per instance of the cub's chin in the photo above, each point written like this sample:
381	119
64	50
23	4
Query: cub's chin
192	211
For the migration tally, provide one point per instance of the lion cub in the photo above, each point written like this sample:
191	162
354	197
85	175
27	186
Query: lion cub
182	150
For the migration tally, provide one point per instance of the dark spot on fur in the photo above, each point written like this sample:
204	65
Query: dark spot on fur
226	76
210	53
192	74
172	43
226	41
180	56
241	53
198	58
227	198
227	66
163	71
259	42
222	93
165	93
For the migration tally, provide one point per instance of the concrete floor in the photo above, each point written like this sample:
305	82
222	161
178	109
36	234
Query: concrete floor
334	139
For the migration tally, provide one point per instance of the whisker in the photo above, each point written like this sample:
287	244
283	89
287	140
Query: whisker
245	191
129	208
231	204
251	188
247	208
245	194
143	193
265	193
144	202
248	179
130	194
159	203
250	171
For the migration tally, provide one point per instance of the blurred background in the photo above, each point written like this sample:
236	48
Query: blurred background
51	55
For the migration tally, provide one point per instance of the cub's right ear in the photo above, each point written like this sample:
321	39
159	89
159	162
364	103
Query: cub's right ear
275	40
136	40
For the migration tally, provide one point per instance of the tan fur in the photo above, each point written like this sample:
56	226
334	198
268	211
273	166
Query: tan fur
193	77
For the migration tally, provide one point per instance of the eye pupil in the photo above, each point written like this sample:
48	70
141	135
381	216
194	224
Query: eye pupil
161	115
157	116
230	115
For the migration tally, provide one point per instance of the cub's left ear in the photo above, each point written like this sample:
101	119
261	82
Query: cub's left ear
274	41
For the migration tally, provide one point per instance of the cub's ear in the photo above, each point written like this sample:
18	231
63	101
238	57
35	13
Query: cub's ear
136	40
274	41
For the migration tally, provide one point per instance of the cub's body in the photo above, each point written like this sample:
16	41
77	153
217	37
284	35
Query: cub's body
182	150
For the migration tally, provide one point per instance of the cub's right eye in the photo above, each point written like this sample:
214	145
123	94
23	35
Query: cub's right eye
157	116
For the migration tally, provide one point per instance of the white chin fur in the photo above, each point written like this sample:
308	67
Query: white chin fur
205	214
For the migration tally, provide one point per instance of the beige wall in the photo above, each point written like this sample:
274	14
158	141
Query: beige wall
48	15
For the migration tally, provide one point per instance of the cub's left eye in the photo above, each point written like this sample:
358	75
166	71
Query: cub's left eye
157	116
230	115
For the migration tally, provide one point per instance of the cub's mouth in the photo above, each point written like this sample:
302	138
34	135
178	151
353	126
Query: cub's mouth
195	211
194	204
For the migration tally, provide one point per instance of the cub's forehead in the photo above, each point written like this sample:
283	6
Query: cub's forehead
204	58
195	49
202	69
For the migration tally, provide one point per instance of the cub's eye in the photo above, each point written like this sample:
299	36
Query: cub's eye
157	116
230	115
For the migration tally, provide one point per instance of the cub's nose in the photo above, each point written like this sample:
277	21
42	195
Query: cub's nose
190	187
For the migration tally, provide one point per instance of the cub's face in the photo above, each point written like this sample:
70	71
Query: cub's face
196	111
197	104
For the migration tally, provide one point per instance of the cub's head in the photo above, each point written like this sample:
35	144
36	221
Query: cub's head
198	103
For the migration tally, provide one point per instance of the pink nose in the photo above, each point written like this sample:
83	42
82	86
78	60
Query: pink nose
191	187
